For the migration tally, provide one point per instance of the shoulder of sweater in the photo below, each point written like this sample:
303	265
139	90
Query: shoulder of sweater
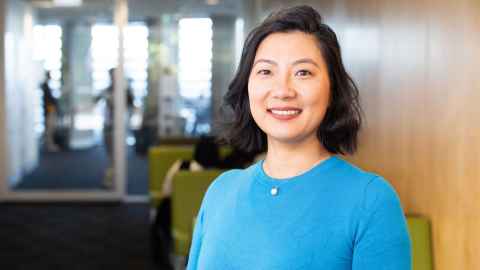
369	185
354	173
372	189
378	192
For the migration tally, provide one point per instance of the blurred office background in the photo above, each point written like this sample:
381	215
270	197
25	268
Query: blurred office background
83	183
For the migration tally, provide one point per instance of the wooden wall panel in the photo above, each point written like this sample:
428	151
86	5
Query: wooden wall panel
417	63
425	139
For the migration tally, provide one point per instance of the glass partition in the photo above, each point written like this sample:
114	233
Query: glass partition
62	113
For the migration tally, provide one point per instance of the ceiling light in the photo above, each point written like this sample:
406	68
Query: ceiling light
67	3
212	2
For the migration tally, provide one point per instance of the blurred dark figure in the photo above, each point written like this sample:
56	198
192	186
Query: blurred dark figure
239	159
50	111
108	122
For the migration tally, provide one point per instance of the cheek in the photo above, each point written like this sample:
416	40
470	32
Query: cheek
322	99
252	101
255	96
321	95
319	101
255	106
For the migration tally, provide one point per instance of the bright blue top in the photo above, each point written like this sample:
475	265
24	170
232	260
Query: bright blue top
333	217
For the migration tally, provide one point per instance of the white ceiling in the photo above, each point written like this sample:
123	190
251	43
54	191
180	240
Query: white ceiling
102	10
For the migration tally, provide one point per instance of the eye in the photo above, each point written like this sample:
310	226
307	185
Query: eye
264	72
303	73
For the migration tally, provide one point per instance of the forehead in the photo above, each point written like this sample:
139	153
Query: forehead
289	46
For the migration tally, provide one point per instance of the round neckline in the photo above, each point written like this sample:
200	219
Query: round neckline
263	177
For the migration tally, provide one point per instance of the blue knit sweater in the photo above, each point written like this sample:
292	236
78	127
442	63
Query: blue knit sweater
332	217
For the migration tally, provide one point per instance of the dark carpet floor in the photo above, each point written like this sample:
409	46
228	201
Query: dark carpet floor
74	236
83	169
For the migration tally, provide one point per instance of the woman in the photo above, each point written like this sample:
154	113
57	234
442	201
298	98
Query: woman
302	207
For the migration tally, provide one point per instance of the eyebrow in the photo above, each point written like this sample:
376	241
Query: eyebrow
305	60
296	62
265	61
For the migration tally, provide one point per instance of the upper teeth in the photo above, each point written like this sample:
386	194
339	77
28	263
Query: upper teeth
289	112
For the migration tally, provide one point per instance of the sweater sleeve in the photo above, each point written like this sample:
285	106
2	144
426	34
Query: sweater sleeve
196	242
381	241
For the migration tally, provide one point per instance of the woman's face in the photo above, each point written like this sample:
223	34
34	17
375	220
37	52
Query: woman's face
289	87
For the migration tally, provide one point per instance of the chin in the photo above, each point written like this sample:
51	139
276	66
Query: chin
291	136
286	138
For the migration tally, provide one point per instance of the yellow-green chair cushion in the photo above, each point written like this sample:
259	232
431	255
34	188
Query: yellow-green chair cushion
419	229
188	191
160	159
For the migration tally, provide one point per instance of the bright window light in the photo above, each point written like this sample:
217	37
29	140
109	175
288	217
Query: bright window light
67	3
104	53
195	57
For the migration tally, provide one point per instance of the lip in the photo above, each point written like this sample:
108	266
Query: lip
284	117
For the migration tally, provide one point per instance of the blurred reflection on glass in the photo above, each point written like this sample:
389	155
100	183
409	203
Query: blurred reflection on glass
193	49
72	48
179	59
50	111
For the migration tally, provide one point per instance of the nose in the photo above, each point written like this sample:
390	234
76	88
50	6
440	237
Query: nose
283	89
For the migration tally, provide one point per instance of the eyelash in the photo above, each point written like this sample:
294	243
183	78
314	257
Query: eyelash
304	71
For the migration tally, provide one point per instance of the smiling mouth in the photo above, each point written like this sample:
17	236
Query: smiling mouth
284	113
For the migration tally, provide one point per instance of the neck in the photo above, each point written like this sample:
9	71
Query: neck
288	160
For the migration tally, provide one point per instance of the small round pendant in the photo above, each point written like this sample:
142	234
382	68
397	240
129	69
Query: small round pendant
274	191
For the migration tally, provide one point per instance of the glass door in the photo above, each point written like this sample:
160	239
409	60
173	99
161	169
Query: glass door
65	100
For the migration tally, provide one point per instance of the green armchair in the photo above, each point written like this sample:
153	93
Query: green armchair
160	159
188	191
419	229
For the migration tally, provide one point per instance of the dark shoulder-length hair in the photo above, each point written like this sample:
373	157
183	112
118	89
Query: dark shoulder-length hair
339	128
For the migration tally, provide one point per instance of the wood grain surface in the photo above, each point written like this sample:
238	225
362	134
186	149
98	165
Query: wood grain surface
417	64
